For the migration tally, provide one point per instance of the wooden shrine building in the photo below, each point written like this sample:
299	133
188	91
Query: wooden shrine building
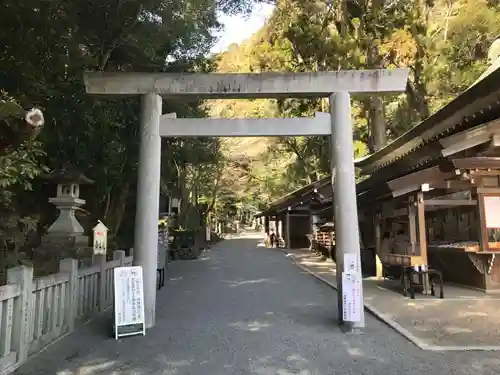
433	193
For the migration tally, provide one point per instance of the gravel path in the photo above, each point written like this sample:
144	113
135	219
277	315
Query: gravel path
243	309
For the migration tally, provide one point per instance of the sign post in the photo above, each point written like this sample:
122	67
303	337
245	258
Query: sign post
100	238
129	302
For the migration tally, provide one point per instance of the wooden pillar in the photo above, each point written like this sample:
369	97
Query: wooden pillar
482	230
412	226
279	229
312	226
422	238
377	218
288	243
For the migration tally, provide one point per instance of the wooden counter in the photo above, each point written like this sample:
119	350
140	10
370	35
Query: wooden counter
465	246
463	262
402	260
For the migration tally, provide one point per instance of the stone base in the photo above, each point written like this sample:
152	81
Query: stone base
69	240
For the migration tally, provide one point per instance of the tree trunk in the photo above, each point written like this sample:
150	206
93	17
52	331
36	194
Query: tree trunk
417	93
376	110
117	208
182	181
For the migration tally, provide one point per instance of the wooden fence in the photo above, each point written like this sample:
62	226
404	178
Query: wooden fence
35	313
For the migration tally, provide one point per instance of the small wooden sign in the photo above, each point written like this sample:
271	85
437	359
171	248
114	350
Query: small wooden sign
100	239
129	302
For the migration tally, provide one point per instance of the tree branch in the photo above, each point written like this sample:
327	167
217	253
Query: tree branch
106	52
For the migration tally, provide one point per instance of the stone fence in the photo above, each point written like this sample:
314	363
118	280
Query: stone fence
36	312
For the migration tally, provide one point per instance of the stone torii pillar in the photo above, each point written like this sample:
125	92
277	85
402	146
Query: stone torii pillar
344	193
152	86
148	200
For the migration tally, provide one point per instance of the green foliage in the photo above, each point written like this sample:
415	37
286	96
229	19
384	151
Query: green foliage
47	45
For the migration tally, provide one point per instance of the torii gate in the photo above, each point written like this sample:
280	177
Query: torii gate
337	86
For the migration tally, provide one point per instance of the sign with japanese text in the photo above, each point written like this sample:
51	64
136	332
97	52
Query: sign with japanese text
129	301
351	263
100	232
351	297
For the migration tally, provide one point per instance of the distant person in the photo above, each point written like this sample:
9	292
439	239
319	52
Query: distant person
272	239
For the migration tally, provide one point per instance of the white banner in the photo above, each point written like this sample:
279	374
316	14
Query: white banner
129	301
351	296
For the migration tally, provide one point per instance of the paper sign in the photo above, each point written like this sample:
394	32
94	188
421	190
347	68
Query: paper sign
492	212
351	263
129	301
351	297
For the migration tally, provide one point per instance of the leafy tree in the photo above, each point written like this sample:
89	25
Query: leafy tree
47	47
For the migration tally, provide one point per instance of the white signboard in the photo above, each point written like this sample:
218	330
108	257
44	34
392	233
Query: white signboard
100	238
207	233
129	302
351	263
351	297
492	212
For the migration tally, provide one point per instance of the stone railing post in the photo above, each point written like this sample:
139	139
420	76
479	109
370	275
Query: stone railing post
100	259
70	266
23	276
119	255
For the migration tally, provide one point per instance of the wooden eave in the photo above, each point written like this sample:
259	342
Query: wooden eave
408	183
478	104
294	198
479	140
479	162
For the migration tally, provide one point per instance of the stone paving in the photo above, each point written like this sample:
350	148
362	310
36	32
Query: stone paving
243	309
464	320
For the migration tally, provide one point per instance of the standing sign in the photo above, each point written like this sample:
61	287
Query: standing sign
162	245
100	239
129	302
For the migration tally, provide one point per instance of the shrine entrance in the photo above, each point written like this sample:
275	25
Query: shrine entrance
337	86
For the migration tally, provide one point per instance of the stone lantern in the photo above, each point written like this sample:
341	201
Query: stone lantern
67	201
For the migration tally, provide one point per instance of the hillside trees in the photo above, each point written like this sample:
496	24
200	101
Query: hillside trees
47	46
443	42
